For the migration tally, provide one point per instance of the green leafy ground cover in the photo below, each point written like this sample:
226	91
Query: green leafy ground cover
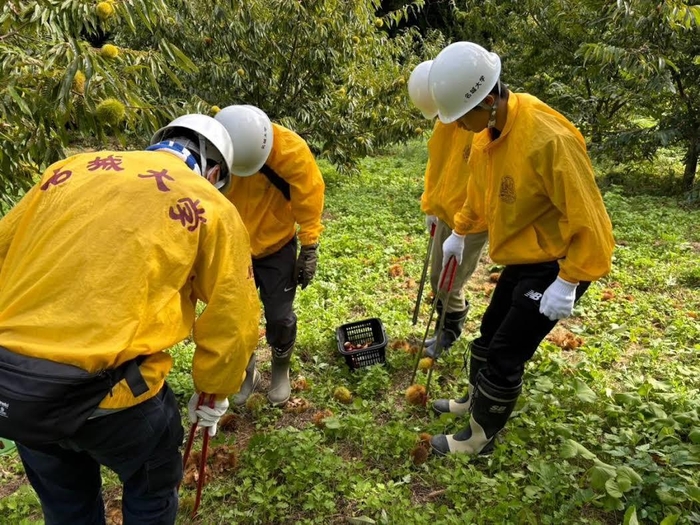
607	429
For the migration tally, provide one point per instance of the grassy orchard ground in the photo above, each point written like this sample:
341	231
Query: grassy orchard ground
606	431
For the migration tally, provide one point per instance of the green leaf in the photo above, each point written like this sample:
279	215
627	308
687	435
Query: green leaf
663	386
67	82
583	391
599	475
630	517
623	483
18	100
544	384
531	491
183	61
332	423
694	436
694	493
571	449
561	430
671	519
630	474
361	520
667	498
686	418
612	488
526	515
657	411
628	398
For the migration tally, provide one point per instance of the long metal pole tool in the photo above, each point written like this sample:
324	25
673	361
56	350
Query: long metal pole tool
446	280
205	447
424	273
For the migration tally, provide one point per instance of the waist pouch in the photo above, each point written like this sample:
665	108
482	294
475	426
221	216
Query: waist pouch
42	401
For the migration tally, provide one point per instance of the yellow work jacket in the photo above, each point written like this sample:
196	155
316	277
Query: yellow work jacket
270	218
104	259
534	187
446	175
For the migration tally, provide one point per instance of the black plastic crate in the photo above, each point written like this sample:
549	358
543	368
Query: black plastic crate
360	332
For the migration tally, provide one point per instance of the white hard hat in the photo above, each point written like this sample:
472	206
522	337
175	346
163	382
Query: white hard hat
205	127
419	91
461	77
251	132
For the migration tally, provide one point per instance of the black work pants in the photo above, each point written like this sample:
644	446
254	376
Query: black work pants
141	444
274	276
512	326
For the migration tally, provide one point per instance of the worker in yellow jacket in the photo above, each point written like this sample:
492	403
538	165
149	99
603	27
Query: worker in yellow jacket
102	263
532	183
446	177
279	192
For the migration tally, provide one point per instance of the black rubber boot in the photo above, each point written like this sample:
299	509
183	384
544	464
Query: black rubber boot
491	407
280	390
252	378
462	405
454	324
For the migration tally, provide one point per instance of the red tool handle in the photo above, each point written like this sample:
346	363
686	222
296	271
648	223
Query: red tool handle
450	271
205	448
188	448
190	439
203	463
433	227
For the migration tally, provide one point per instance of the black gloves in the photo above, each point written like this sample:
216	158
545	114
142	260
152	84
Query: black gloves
305	269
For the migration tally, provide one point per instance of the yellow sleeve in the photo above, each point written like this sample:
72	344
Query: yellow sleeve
468	219
424	198
424	204
226	333
10	222
306	189
432	169
585	225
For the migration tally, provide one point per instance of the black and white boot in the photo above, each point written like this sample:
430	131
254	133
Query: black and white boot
462	405
491	407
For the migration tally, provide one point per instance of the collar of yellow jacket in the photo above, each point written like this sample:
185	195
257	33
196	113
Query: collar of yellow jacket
483	138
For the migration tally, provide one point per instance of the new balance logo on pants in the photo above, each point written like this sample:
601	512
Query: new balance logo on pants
532	294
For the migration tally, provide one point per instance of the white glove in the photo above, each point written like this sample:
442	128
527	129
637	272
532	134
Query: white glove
558	299
206	416
453	247
430	221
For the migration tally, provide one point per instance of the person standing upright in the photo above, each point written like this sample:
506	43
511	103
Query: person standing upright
532	183
446	178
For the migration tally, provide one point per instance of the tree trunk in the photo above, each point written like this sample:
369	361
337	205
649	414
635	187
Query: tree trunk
691	162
